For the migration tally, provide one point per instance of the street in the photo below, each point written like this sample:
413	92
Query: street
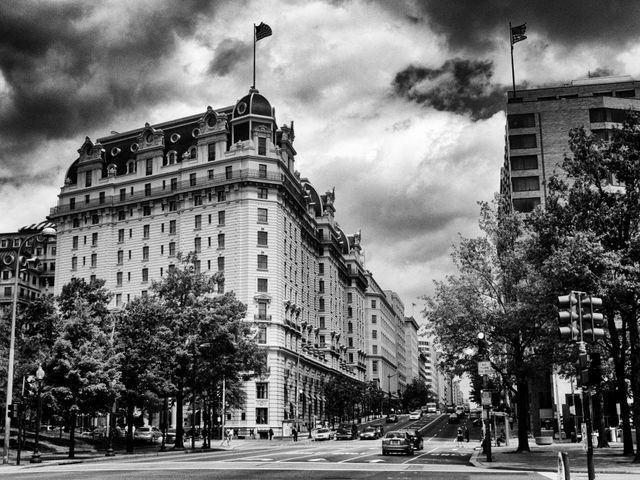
442	457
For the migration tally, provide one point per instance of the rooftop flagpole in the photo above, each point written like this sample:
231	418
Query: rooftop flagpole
516	34
253	85
259	32
513	72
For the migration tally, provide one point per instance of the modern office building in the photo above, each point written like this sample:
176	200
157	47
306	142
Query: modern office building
538	124
223	184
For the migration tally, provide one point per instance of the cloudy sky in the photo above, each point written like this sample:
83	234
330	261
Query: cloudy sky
398	104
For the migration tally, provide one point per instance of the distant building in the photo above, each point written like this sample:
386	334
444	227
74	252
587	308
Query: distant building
538	124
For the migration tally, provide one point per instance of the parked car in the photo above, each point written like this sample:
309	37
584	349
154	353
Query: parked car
347	432
322	434
417	415
393	418
397	442
416	438
148	433
453	418
369	433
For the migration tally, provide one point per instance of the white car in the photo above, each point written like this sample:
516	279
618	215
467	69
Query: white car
150	434
415	415
322	434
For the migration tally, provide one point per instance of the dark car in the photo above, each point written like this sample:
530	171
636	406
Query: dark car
397	442
369	433
344	433
416	438
453	418
392	418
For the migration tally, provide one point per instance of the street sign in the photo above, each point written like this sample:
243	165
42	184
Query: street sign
484	368
486	399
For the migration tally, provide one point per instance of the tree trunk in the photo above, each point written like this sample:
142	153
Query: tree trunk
598	416
129	439
179	445
72	435
522	400
634	341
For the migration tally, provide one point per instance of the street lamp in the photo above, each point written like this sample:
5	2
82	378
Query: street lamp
46	233
35	458
389	377
484	354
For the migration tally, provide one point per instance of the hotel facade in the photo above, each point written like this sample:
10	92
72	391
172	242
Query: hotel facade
223	184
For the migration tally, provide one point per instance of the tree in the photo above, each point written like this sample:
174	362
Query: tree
416	394
591	222
341	395
496	293
83	374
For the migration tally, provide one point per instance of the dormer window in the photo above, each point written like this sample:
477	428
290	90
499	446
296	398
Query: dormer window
193	152
131	166
211	121
149	137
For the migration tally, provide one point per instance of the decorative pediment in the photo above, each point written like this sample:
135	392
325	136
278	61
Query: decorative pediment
90	152
150	137
262	297
212	122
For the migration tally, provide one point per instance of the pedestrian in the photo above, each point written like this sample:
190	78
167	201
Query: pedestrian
459	435
271	434
229	436
466	433
294	432
251	434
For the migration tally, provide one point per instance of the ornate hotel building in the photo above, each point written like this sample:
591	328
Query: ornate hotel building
223	184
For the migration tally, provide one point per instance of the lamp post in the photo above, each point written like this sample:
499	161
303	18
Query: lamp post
389	377
35	457
45	233
482	350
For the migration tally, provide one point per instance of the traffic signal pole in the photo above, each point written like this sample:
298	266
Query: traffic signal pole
586	407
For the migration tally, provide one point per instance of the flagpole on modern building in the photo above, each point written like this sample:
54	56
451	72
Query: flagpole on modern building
513	72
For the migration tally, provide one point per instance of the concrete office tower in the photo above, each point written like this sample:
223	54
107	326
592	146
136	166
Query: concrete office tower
223	184
538	124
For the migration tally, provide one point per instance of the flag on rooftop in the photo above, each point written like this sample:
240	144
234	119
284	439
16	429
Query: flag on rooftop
518	33
263	30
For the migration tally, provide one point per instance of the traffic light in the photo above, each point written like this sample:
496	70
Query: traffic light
568	317
582	370
14	410
593	322
595	369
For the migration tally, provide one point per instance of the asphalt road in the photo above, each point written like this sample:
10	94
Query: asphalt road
441	458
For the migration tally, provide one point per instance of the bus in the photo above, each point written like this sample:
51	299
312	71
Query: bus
430	407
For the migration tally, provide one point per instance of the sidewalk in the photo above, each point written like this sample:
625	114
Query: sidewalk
545	458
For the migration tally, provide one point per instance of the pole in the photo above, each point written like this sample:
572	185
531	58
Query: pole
487	435
224	401
586	407
35	457
253	85
163	423
297	394
513	72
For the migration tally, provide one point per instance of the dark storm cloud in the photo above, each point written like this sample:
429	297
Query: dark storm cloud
229	54
471	24
67	72
460	86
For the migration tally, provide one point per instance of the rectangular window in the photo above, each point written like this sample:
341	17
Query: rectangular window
172	227
221	264
121	235
119	279
321	268
322	322
123	194
525	184
149	167
87	199
321	304
263	239
72	204
197	222
374	349
519	142
174	184
262	262
262	390
210	174
146	211
600	115
87	179
321	286
221	240
521	120
145	274
197	200
122	215
263	215
102	197
374	334
222	195
262	416
197	244
349	297
211	153
94	260
262	310
262	171
120	257
192	179
74	243
350	342
172	249
262	146
146	231
94	239
263	285
263	193
524	162
221	217
374	304
525	205
147	189
374	319
228	172
74	263
374	366
262	335
95	219
145	253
